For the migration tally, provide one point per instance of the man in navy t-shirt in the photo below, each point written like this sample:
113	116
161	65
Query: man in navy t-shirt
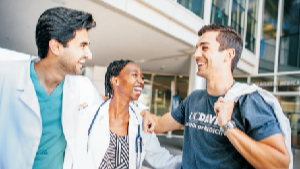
220	133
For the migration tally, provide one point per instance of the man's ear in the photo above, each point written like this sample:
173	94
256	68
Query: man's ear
230	54
54	46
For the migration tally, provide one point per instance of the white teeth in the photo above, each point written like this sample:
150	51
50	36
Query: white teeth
82	61
138	88
200	64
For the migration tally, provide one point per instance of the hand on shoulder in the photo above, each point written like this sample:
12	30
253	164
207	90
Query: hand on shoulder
149	121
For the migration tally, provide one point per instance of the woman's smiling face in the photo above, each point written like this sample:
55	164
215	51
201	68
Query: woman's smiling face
130	81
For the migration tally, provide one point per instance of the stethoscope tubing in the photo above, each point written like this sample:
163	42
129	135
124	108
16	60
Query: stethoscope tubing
138	140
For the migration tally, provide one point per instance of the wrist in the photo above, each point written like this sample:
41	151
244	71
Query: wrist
156	118
229	125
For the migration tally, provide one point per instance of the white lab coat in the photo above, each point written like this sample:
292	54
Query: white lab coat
20	119
93	148
240	89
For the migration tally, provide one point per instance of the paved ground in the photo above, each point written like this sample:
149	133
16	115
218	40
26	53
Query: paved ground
297	159
174	145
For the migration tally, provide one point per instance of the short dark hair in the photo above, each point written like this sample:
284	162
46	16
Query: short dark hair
228	38
113	69
60	23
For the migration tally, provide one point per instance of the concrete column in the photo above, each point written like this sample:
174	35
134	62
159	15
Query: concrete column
229	13
207	11
278	35
97	76
195	82
259	32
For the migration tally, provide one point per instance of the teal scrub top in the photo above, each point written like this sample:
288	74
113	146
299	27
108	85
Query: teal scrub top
50	153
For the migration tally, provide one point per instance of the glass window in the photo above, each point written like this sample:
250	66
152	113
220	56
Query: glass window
161	94
291	108
182	85
268	39
288	83
196	6
251	25
219	12
289	51
266	82
238	15
181	91
144	99
147	77
241	79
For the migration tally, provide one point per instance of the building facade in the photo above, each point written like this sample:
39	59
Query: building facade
160	35
270	29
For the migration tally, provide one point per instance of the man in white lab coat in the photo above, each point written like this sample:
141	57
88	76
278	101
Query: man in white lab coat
38	102
41	101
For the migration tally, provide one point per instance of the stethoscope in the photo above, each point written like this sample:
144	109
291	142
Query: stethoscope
138	140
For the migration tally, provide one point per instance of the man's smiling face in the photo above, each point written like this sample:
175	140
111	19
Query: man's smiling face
76	53
208	57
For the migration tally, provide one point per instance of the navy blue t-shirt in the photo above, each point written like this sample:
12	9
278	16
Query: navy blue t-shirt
204	145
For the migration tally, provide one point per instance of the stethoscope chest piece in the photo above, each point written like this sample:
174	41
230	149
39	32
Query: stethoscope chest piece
138	148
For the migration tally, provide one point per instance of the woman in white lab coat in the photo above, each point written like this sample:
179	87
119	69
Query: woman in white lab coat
115	136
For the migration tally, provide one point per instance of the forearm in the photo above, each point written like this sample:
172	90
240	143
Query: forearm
166	123
259	154
159	124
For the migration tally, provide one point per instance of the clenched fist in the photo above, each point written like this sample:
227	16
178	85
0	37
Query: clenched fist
224	109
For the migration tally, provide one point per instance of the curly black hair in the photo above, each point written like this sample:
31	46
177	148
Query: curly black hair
60	23
113	69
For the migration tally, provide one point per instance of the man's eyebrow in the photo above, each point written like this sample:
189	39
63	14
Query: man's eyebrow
202	43
85	43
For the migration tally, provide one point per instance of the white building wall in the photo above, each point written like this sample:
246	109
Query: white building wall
97	76
165	15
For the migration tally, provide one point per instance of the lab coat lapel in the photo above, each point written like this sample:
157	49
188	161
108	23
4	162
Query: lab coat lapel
132	133
99	134
28	94
100	137
69	112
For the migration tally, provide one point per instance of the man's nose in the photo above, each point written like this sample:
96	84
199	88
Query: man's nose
198	53
88	53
